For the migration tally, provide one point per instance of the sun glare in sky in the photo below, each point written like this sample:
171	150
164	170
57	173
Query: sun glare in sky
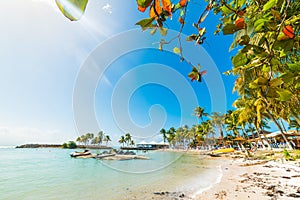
42	54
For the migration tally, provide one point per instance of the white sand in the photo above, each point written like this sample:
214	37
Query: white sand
263	181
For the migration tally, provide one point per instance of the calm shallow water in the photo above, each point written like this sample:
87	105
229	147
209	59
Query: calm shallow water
53	174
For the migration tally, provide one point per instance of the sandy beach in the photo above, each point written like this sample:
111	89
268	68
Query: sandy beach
245	179
256	180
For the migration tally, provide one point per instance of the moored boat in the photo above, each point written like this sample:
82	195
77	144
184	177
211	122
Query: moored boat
221	151
85	154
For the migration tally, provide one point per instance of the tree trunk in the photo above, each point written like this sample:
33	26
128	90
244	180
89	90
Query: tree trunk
256	128
295	117
280	128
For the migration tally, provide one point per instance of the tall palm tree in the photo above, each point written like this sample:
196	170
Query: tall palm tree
294	124
79	140
171	135
128	138
231	121
172	130
179	137
163	132
106	139
101	137
218	120
89	137
192	135
122	140
95	140
84	139
132	143
199	112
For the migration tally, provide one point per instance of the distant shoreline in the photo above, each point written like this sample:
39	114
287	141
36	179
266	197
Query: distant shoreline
60	146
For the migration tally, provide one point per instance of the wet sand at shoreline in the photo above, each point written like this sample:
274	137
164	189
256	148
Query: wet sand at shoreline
256	180
241	179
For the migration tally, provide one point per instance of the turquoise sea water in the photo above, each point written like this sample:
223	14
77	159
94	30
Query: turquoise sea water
53	174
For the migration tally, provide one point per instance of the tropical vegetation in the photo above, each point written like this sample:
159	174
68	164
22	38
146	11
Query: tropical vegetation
126	139
90	138
69	145
266	65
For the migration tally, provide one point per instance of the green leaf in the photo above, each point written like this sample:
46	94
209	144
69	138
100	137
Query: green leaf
240	3
146	23
229	29
284	95
294	66
286	45
202	31
72	9
287	77
176	50
259	24
239	60
191	38
245	39
246	48
181	13
153	31
265	68
253	85
194	76
262	41
163	31
276	82
261	81
297	86
269	5
226	11
143	3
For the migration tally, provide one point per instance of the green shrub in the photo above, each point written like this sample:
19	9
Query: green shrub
64	145
70	145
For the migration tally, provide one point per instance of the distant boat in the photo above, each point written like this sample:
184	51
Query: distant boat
84	154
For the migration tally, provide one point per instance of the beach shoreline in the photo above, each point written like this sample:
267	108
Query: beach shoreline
243	179
258	179
193	175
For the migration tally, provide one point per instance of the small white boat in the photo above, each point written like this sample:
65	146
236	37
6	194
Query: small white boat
84	154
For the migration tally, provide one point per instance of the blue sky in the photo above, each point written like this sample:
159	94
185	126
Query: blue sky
42	53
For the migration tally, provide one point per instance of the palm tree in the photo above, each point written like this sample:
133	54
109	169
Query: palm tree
84	139
79	140
172	130
132	143
199	112
218	120
171	135
163	132
122	140
128	138
89	136
179	137
95	140
100	136
192	136
106	139
231	121
294	124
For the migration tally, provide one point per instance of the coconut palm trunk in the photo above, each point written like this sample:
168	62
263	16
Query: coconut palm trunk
280	128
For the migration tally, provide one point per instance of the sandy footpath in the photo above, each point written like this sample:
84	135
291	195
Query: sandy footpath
263	180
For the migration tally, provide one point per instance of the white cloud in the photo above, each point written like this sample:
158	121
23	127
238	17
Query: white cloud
107	8
25	135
